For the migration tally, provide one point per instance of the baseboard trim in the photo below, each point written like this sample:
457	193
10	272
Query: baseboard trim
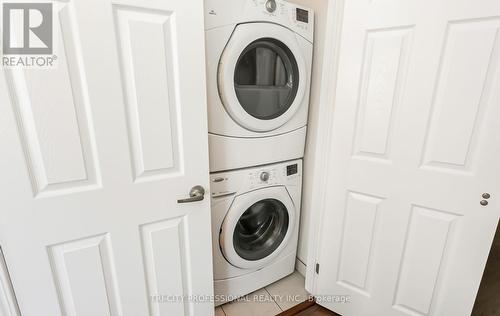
301	267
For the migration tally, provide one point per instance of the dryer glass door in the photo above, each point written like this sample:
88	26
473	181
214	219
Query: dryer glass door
266	78
263	75
261	229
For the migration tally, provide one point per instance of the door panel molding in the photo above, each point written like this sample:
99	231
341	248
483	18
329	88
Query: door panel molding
148	51
164	245
85	274
433	228
59	163
445	149
358	241
8	302
385	63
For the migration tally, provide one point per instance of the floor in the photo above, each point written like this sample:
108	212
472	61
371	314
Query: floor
308	308
290	292
269	301
488	299
314	310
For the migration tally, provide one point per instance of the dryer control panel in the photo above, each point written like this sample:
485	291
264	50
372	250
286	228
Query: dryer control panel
284	12
222	12
243	180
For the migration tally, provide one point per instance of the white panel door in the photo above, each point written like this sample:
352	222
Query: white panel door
95	155
414	145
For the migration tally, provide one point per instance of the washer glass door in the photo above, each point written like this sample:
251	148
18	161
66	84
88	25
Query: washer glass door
261	229
266	78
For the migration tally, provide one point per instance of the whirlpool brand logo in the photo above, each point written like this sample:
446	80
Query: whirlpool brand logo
28	35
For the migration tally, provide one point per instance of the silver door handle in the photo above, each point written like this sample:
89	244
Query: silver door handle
197	193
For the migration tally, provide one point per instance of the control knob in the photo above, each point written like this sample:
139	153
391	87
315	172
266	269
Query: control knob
271	6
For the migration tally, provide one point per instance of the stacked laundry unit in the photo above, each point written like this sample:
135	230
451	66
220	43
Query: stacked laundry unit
259	56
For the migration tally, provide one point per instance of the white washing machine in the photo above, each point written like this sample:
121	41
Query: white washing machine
255	224
259	55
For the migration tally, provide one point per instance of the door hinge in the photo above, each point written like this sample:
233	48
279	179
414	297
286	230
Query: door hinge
317	268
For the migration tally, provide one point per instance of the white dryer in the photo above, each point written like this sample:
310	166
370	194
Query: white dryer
259	55
255	224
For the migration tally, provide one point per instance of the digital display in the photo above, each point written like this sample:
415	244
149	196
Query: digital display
291	169
302	15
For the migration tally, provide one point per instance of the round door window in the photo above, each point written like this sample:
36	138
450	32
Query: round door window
266	78
261	229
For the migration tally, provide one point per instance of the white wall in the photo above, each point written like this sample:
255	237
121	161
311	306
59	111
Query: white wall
320	7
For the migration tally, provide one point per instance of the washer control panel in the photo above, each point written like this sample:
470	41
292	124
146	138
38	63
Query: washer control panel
263	176
239	181
292	169
302	15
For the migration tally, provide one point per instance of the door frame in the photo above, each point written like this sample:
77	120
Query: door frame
320	167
